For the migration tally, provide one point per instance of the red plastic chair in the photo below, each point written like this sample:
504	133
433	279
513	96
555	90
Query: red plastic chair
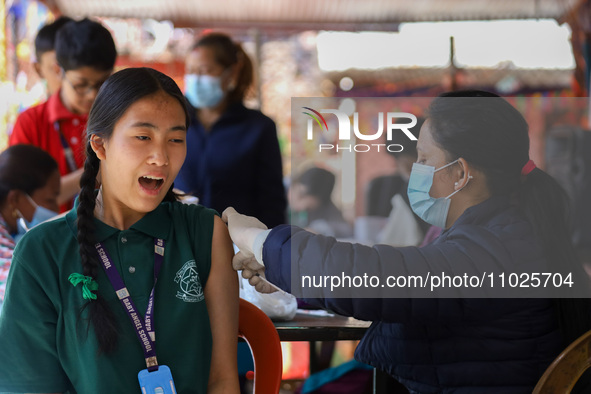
259	332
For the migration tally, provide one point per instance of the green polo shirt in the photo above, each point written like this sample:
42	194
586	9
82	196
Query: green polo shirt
46	344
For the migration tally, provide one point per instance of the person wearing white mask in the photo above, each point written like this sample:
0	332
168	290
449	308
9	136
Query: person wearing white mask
229	147
29	188
501	215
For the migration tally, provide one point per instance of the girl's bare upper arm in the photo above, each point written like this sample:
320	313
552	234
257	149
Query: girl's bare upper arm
221	296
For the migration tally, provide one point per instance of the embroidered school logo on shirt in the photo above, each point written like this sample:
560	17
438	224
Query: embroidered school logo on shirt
189	283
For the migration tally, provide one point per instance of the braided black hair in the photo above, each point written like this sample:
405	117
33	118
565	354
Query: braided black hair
100	316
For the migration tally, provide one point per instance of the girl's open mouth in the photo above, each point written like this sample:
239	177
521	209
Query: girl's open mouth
151	183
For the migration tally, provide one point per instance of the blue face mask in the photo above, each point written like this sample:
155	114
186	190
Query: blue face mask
203	91
41	215
432	210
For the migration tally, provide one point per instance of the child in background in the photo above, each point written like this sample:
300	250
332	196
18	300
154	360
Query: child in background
46	63
86	54
312	207
29	186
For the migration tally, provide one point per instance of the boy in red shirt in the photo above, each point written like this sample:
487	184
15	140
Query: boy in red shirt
86	53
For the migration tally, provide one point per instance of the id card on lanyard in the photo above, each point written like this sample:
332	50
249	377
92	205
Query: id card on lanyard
155	378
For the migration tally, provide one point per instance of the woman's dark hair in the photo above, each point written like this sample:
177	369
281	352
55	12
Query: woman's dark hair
26	168
228	53
116	95
490	134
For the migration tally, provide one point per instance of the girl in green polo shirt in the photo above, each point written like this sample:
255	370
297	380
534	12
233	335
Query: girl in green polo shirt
131	284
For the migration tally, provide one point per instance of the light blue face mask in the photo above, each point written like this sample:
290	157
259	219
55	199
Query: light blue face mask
203	91
432	210
41	215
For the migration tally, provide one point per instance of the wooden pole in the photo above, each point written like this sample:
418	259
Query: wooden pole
453	70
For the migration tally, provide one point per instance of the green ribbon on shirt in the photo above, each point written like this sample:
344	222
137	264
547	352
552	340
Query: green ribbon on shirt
88	285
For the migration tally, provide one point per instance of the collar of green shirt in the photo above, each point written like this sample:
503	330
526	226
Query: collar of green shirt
156	224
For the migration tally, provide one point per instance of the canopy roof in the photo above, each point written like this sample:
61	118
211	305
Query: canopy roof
313	14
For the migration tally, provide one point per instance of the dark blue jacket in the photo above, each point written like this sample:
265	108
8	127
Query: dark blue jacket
438	345
237	163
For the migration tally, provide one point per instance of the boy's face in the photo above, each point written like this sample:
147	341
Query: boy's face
48	69
80	87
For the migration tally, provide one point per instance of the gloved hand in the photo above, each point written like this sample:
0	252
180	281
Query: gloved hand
243	231
247	262
256	279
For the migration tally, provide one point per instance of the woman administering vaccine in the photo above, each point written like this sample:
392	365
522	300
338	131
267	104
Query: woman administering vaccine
132	291
231	147
474	178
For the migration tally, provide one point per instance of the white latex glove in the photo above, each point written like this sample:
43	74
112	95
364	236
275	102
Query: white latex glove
243	231
245	262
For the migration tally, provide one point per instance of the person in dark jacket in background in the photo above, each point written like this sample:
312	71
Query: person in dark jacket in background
229	147
311	204
500	213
